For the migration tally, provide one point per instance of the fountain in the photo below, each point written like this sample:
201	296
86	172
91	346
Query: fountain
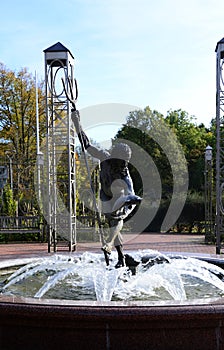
149	276
157	302
161	301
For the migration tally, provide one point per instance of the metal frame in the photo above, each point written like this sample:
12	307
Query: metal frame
209	230
61	181
219	143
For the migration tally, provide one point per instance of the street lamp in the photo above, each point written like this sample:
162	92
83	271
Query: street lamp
208	153
208	195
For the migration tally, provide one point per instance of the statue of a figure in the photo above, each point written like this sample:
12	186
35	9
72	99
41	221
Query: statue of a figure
117	192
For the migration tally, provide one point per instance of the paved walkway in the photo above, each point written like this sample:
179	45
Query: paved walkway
177	243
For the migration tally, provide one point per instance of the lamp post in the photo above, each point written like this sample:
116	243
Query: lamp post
10	157
208	195
40	163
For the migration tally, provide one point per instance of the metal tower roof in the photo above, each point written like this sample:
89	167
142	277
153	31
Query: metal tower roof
219	42
58	47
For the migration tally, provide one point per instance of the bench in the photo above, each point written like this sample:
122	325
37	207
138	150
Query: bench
21	225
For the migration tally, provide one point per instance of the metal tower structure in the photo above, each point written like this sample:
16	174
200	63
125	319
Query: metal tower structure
60	200
219	143
209	231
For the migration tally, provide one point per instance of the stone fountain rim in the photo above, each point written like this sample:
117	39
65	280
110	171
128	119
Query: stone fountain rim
110	304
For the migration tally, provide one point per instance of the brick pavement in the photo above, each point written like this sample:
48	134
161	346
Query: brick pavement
172	243
178	243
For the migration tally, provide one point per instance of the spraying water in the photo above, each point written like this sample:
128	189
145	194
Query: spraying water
85	277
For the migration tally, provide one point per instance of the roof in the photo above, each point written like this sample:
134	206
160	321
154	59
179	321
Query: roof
219	42
58	47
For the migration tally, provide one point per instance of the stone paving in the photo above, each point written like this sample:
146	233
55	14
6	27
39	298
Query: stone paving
163	242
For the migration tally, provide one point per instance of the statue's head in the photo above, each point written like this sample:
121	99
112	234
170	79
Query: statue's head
121	151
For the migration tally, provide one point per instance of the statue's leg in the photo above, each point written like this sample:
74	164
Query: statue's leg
115	227
121	257
117	240
106	208
115	237
115	232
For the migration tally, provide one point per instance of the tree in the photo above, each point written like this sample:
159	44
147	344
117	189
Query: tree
176	145
194	140
18	122
143	128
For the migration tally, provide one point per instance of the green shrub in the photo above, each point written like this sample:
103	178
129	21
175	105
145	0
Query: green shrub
8	203
191	219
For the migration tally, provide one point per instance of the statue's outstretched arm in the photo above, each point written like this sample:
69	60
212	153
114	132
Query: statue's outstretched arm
84	141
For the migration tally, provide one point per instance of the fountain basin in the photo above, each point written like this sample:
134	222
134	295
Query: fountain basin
29	324
39	324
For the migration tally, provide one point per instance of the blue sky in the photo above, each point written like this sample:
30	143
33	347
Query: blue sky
156	53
